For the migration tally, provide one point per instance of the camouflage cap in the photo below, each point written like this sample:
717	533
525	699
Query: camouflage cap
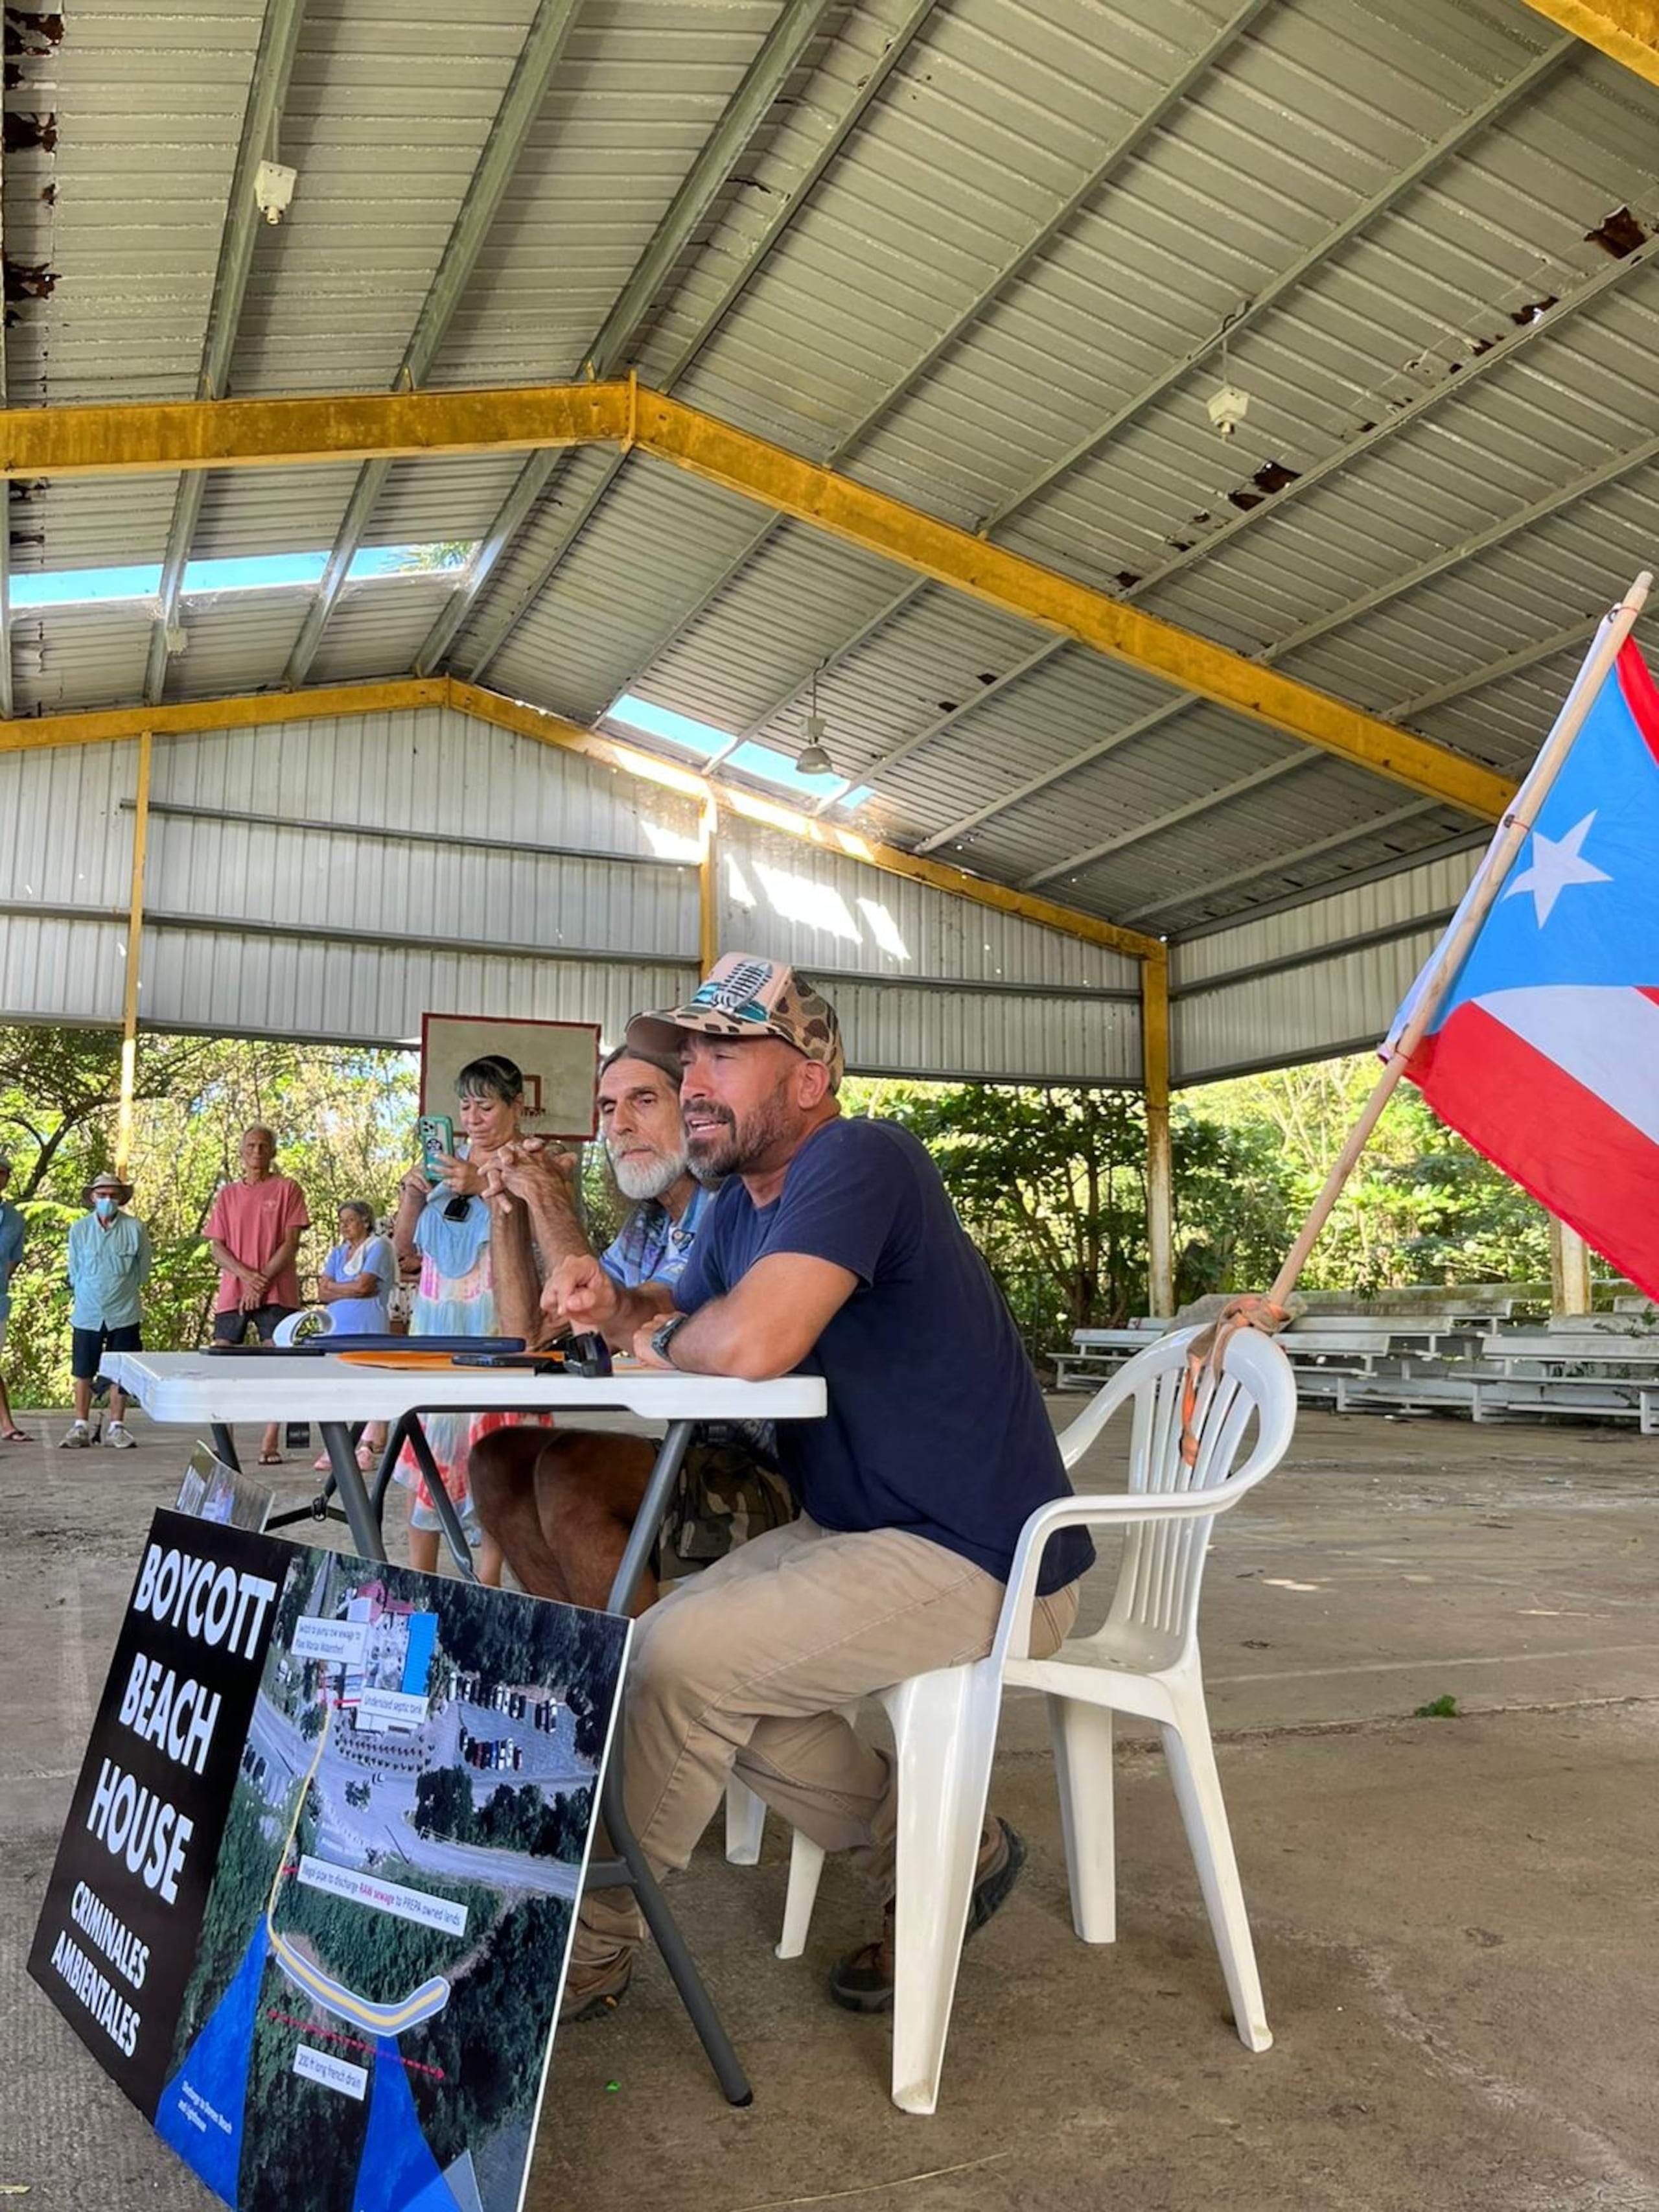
745	996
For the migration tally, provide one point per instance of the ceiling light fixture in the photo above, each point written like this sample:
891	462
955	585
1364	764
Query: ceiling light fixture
1227	408
813	759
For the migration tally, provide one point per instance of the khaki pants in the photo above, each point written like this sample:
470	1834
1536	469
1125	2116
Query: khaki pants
746	1666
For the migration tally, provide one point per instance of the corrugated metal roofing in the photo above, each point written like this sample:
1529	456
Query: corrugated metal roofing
1432	230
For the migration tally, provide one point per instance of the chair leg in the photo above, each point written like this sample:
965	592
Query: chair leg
806	1865
945	1725
1198	1790
1082	1735
745	1824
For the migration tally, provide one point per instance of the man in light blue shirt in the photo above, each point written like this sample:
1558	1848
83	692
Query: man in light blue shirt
108	1260
11	1252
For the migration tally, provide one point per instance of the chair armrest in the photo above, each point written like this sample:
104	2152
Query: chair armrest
1119	1508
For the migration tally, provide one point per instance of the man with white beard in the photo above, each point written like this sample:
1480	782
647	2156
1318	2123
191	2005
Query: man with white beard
561	1502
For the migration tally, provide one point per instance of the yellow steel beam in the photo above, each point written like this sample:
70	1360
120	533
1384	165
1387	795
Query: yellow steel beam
1626	29
135	941
111	724
553	729
1160	1166
723	455
65	442
708	887
240	434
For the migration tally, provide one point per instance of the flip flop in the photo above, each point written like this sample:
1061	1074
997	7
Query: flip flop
16	1437
270	1459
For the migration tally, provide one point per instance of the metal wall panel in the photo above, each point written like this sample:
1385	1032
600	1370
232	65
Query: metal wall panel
1342	1004
1035	1008
54	970
64	839
443	778
275	909
1323	977
1319	925
428	769
826	911
1017	1036
231	984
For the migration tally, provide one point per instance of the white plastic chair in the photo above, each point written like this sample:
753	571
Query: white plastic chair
1144	1660
746	1823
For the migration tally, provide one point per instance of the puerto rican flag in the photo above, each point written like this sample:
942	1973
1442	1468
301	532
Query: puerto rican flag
1545	1051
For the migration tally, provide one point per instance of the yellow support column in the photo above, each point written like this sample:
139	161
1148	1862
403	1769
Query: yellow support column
135	941
1569	1270
708	911
1160	1172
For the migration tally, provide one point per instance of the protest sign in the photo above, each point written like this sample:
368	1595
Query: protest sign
314	1902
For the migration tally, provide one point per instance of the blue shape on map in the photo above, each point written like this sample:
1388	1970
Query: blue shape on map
398	2173
417	1654
201	2110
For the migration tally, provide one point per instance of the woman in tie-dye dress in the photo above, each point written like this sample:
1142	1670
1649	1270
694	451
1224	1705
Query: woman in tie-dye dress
447	1226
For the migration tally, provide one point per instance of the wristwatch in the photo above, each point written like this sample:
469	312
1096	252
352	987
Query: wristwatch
663	1336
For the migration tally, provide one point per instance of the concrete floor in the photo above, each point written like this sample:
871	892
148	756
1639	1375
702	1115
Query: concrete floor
1456	1919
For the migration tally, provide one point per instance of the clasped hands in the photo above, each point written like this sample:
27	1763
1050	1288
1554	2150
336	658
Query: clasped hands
530	1168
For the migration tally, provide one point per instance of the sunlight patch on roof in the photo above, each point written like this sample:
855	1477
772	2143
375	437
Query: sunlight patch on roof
704	740
255	572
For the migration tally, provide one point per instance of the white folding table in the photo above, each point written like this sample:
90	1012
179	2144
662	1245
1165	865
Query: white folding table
216	1391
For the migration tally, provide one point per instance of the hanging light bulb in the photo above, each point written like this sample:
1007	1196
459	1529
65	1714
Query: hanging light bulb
813	759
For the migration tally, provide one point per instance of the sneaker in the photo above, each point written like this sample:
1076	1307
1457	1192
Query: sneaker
76	1437
591	1992
121	1437
863	1981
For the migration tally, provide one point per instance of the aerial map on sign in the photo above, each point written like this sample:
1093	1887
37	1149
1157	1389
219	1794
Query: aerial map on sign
368	2021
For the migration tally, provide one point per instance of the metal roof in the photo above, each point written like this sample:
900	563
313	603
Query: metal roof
988	256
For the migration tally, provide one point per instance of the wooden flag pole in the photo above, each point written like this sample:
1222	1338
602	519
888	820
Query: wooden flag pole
1514	828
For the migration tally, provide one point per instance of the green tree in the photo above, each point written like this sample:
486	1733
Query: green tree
1421	1206
344	1125
1051	1184
445	553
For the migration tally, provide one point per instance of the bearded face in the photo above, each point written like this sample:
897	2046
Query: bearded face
644	1136
738	1104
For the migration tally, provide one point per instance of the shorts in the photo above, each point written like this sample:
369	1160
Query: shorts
231	1327
4	1318
422	1515
725	1494
88	1346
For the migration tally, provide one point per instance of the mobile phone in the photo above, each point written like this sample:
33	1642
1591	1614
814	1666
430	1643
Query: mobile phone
436	1133
539	1363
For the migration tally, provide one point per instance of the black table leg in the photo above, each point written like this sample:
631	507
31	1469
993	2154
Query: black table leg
360	1517
224	1446
628	1870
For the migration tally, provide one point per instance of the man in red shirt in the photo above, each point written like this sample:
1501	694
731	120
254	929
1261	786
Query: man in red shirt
253	1232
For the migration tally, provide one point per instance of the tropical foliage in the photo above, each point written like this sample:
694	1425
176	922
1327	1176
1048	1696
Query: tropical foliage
1051	1182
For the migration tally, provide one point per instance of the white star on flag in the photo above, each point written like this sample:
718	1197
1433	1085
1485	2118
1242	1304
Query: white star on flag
1555	862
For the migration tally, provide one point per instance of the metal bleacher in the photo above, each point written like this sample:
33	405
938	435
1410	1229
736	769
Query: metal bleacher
1492	1352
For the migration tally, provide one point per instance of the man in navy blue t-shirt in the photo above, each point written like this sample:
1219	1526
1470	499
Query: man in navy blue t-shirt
832	1250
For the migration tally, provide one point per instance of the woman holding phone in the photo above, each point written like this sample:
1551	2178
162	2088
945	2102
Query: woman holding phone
462	1243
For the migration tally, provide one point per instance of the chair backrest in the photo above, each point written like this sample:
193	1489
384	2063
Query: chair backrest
1155	1606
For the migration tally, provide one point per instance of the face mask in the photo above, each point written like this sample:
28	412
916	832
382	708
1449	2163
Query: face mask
104	1207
